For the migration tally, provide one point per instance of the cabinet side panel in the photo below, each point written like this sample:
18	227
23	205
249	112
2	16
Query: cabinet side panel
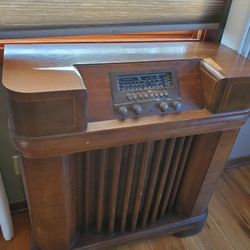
41	114
204	167
50	185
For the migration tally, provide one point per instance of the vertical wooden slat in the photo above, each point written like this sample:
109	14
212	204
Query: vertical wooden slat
152	180
163	151
92	201
140	184
79	188
163	178
181	167
114	187
87	192
101	181
131	165
172	176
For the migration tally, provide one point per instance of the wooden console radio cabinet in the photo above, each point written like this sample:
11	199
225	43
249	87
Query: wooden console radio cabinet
122	141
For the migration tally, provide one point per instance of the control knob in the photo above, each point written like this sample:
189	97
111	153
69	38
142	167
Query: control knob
122	111
176	105
136	109
163	106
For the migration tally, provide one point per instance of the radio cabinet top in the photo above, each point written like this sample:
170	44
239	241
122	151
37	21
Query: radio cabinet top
79	92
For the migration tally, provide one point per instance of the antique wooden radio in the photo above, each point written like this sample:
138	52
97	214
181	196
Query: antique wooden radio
122	141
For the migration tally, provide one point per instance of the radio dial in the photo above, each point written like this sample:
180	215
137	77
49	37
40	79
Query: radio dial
163	106
136	109
122	111
142	92
176	105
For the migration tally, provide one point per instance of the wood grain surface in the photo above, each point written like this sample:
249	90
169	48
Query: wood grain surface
32	13
207	157
196	194
151	127
98	84
37	66
57	202
180	35
226	228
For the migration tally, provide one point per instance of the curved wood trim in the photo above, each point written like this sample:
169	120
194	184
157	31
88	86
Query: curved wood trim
166	226
44	70
153	127
37	66
50	162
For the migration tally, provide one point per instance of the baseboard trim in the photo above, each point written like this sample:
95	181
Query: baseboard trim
238	162
18	207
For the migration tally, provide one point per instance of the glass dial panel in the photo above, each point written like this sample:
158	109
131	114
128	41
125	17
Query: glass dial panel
140	82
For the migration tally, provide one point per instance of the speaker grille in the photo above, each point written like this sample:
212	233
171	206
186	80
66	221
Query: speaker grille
130	187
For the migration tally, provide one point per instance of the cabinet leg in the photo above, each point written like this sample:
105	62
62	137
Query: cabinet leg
50	185
192	231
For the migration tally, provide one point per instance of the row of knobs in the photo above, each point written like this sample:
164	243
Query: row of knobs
163	106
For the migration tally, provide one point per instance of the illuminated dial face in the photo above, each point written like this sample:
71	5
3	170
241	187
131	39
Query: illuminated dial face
139	82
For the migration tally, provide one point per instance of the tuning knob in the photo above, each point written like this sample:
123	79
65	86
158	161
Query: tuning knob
176	105
122	111
163	106
136	109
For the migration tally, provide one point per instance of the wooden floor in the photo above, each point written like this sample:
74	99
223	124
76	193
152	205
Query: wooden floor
227	227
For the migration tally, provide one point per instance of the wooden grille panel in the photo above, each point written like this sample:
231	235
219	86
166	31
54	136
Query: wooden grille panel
129	187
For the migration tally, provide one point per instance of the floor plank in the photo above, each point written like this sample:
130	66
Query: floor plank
227	226
241	177
22	237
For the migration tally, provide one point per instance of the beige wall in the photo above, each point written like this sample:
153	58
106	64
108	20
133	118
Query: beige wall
12	181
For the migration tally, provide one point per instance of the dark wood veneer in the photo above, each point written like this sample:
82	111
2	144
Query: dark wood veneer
120	180
37	114
98	85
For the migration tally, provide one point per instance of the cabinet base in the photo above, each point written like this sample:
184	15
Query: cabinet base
180	227
194	230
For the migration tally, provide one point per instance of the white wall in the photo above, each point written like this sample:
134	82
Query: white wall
237	36
237	25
